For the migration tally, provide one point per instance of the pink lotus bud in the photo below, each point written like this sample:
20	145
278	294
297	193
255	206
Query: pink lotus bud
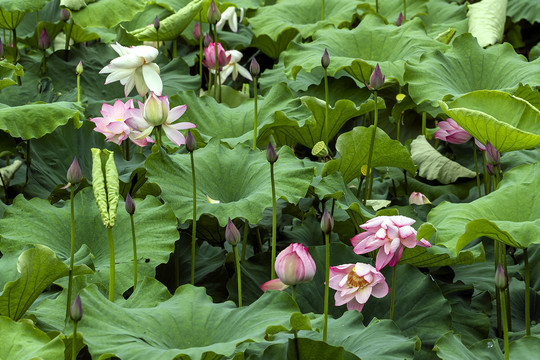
376	80
130	205
74	173
232	235
399	19
64	15
156	23
191	144
214	15
451	132
44	40
327	222
76	311
207	40
79	68
197	32
210	56
418	199
271	155
501	279
492	155
155	111
254	67
294	265
325	60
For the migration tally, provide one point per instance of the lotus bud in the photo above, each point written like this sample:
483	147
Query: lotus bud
155	112
490	169
418	199
64	15
44	40
254	67
79	68
197	31
74	173
271	155
320	150
130	205
191	144
76	311
232	235
501	279
294	265
156	23
325	60
207	40
327	222
399	19
376	80
492	155
214	15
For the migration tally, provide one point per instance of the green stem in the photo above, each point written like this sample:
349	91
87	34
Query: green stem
78	88
74	343
377	6
259	240
294	292
325	125
244	240
134	253
201	50
28	161
507	291
111	263
505	326
176	265
68	37
274	221
255	114
399	125
72	254
476	168
369	184
404	10
487	178
393	296
424	121
194	226
527	293
322	11
496	258
157	39
326	285
174	48
238	275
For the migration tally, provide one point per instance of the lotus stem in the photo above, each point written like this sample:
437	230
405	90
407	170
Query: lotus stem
274	222
507	290
259	241
78	87
404	10
238	275
194	226
505	326
174	48
476	169
424	121
399	125
111	263
28	161
72	254
74	343
134	252
527	293
68	36
377	6
326	286
322	11
369	184
487	178
496	258
255	114
393	295
294	292
244	240
325	125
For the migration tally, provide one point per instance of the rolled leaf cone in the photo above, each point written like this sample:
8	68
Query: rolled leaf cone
105	184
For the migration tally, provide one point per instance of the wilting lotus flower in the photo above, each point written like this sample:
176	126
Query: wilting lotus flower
451	132
390	234
229	16
418	199
210	57
113	123
138	119
293	266
233	67
134	68
355	283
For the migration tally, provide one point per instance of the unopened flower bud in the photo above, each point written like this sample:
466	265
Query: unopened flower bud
74	173
44	40
130	205
191	144
64	15
214	15
197	31
418	199
325	60
79	68
294	265
76	311
271	155
232	235
155	112
254	67
501	279
156	23
207	40
376	80
492	155
399	19
327	222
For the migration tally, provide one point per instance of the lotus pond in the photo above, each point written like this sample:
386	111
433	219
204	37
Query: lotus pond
279	179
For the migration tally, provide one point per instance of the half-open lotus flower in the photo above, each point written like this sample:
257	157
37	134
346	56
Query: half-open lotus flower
210	57
233	67
451	132
134	68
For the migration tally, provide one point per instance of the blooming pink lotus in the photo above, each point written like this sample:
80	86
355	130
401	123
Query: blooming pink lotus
113	123
391	234
355	283
451	132
210	57
145	121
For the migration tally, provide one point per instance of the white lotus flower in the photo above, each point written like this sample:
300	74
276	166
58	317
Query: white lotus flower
134	68
229	16
233	67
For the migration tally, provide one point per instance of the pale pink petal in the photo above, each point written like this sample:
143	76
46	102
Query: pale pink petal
117	127
397	256
175	113
362	269
182	126
354	305
137	123
380	290
400	220
382	260
275	284
341	299
424	243
362	295
174	135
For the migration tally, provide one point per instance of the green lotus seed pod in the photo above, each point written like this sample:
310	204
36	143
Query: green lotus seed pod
320	150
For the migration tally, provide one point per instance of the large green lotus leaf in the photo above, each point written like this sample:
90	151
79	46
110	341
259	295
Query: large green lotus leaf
360	49
486	21
390	9
155	226
195	327
353	147
234	125
22	5
303	15
38	268
442	15
35	120
524	9
450	347
9	73
468	67
511	214
116	11
432	165
239	178
22	340
508	122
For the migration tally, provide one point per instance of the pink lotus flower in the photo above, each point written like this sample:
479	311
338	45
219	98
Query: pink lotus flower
418	199
391	234
355	283
138	121
113	123
210	57
451	132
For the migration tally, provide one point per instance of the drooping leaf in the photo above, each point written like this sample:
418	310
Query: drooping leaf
9	73
523	9
238	178
486	21
432	165
353	147
508	122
